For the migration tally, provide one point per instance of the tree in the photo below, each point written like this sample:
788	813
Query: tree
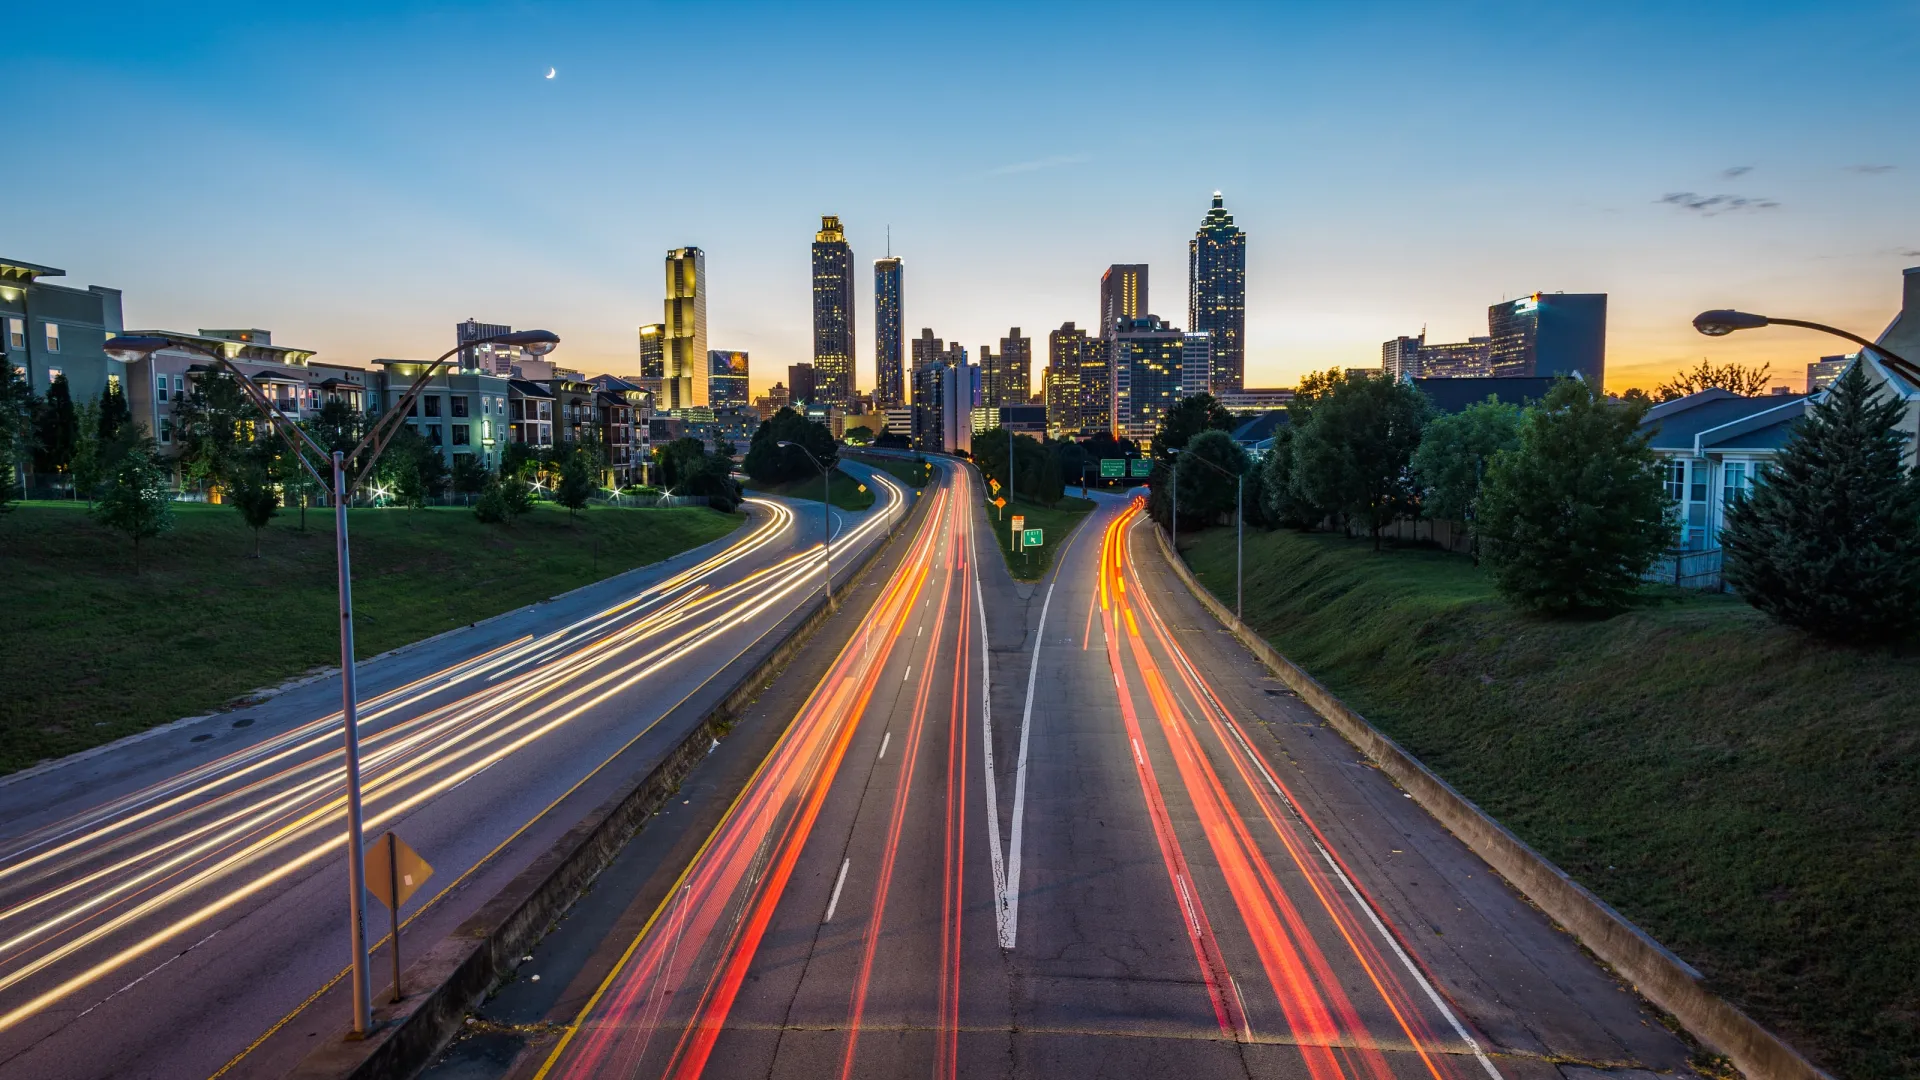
1193	415
1205	493
1829	540
769	463
87	465
113	413
1279	495
212	427
1745	381
16	430
412	469
470	476
579	480
133	500
496	505
56	428
1573	516
858	435
252	490
1074	464
1454	454
1352	454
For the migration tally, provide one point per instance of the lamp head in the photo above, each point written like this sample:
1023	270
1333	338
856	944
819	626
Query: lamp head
1721	322
128	348
533	342
783	442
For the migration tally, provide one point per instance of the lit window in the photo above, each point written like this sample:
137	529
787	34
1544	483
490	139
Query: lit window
54	373
16	333
53	337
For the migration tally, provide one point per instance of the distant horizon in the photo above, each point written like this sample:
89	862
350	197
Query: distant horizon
395	187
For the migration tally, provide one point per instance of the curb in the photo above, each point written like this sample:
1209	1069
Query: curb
1663	978
462	967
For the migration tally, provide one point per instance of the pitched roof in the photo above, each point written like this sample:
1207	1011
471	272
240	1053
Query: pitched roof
1719	421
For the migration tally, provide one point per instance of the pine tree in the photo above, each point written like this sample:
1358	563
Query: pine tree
56	428
1829	541
1575	515
114	413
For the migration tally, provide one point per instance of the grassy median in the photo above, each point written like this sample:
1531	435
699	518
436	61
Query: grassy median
94	652
1056	523
1749	797
843	490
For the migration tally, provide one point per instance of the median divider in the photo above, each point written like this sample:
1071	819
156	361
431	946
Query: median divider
459	971
1661	977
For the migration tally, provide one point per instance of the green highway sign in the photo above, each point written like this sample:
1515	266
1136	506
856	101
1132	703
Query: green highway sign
1142	466
1112	468
1030	538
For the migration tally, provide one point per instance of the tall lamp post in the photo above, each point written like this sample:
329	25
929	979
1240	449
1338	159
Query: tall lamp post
1721	322
826	512
129	348
1240	523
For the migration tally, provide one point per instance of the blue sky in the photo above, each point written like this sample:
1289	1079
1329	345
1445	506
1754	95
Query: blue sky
357	178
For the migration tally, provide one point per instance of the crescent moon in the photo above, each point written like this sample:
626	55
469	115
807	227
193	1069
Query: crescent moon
550	73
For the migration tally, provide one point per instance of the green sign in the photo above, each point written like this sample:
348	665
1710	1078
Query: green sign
1030	538
1112	468
1142	466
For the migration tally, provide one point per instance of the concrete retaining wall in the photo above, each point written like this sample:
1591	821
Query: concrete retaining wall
464	966
1657	974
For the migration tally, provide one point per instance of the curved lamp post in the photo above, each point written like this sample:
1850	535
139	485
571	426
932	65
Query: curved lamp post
129	348
826	512
1239	515
1722	321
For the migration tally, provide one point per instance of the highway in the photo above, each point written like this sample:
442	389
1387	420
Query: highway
1074	830
176	906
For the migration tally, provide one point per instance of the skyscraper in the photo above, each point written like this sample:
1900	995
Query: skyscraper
800	386
1196	363
653	362
1550	334
1011	381
1146	360
1217	295
889	335
833	354
1066	352
728	374
1096	385
492	359
686	366
1123	295
926	348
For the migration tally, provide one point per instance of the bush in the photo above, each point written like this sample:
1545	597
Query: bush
133	500
495	506
1829	541
1573	516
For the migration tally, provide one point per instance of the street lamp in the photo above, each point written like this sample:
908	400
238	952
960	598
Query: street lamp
129	348
826	512
1721	322
1240	523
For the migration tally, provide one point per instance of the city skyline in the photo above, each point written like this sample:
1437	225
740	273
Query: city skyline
1643	176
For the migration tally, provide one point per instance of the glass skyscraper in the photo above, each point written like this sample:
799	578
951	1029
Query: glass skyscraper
686	378
889	335
728	375
1217	295
1550	334
833	353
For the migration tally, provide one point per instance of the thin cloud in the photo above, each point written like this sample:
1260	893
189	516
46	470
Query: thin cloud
1035	166
1871	170
1710	205
1911	254
1736	172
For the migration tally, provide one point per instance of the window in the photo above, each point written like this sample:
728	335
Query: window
54	373
53	337
113	382
1737	482
459	405
16	333
433	434
160	390
166	430
433	405
179	385
461	434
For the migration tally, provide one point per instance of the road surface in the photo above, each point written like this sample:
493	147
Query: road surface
175	905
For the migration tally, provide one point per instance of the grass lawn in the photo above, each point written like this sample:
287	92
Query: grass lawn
95	653
1056	524
915	474
843	491
1749	797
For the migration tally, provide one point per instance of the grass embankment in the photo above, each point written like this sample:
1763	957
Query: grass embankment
843	490
1749	797
94	652
1055	522
915	474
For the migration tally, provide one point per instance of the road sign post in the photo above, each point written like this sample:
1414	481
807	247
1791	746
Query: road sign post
394	873
1032	538
1019	523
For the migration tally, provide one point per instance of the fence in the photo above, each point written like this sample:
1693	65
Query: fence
1689	570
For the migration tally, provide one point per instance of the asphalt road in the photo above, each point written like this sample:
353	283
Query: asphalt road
1070	829
174	905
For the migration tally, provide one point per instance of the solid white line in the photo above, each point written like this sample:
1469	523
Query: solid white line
994	856
835	902
884	740
1012	903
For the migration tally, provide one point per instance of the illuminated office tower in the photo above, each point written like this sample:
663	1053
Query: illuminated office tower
1145	375
833	355
653	362
926	348
492	359
1550	334
1196	364
1123	295
1007	379
727	369
687	368
1066	355
1217	295
889	336
1096	385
